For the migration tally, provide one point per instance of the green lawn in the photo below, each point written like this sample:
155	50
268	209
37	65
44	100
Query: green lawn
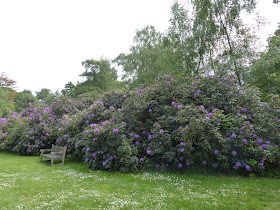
26	183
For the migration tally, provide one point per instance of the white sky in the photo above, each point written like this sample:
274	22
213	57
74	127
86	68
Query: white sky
43	42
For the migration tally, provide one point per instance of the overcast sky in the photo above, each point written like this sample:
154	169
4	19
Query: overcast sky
43	42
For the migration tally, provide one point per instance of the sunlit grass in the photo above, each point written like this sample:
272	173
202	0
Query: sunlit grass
26	183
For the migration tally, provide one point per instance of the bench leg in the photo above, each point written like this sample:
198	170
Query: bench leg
52	161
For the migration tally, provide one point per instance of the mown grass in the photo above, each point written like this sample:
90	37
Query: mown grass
26	183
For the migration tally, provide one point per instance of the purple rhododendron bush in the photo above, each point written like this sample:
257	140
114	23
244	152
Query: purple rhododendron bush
173	123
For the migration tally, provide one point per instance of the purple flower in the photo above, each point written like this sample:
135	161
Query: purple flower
20	142
137	142
244	141
259	141
148	151
210	115
173	103
268	142
238	164
247	122
195	95
198	91
234	153
186	78
86	131
261	164
182	150
201	107
244	109
204	162
150	110
264	146
182	143
144	132
97	130
94	139
206	118
180	106
168	82
219	120
214	165
115	130
136	136
233	135
141	159
216	152
248	168
161	131
188	163
180	165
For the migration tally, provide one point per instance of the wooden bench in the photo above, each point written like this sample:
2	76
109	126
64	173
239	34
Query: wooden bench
56	152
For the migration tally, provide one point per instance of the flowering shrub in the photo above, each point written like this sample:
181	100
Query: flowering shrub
172	124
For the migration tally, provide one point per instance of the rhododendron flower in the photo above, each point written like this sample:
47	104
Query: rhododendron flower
97	130
264	146
233	135
234	153
238	164
180	165
214	165
150	110
248	168
216	152
173	103
182	143
204	162
182	150
180	106
148	151
259	141
244	109
115	130
137	142
245	141
201	107
206	118
210	115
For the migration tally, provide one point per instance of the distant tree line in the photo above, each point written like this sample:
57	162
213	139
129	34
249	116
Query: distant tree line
204	36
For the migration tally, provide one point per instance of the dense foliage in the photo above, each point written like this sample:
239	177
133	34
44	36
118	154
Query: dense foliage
174	123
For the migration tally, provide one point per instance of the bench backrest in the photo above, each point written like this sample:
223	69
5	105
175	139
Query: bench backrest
58	149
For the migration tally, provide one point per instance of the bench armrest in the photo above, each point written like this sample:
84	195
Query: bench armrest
45	150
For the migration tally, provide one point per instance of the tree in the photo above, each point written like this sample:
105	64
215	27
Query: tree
147	58
5	82
23	99
68	89
99	76
6	104
265	71
45	95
